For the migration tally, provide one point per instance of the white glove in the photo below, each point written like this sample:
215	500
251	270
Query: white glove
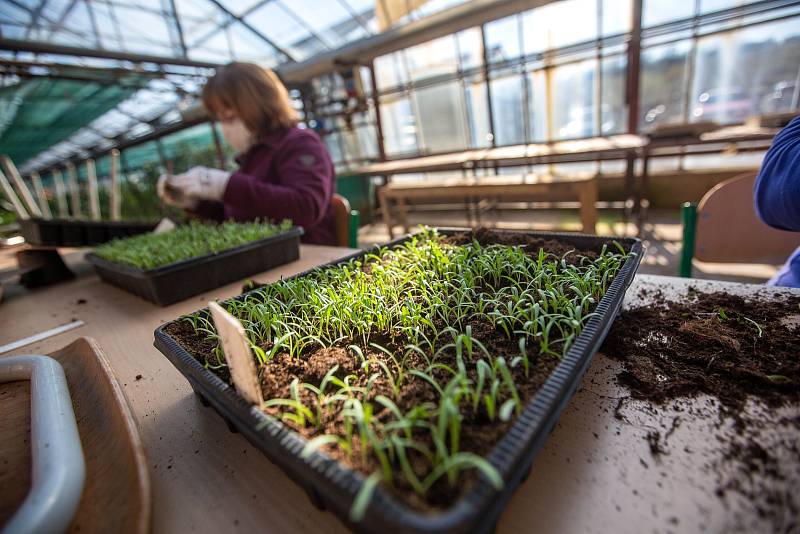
172	195
202	183
188	189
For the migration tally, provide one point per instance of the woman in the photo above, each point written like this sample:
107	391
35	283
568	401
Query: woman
285	172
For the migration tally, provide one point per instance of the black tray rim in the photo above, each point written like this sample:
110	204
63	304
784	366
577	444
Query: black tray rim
512	456
91	223
91	257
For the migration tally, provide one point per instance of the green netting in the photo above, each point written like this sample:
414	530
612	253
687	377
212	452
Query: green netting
37	114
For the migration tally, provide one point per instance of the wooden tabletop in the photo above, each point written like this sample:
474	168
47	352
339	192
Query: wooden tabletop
595	473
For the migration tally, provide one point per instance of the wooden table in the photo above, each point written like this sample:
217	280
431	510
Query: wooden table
594	474
622	146
527	188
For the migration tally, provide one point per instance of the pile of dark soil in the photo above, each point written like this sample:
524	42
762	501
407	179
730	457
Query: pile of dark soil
735	350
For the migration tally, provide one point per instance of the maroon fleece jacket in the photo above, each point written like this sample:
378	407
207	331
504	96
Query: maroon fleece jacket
286	175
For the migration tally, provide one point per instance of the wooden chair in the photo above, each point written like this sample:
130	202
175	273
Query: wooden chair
345	222
724	228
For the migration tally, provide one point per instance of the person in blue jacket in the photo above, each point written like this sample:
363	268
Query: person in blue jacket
777	194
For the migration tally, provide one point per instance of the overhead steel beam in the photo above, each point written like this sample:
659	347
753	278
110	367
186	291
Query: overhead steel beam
446	22
39	47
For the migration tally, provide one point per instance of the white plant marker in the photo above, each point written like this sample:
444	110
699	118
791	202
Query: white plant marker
40	195
94	198
61	194
22	187
74	192
164	225
237	353
115	196
8	191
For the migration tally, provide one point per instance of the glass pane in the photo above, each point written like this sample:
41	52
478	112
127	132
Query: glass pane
616	16
574	109
368	141
214	48
537	106
656	12
509	125
326	20
144	31
432	58
247	46
352	148
442	118
332	142
662	85
470	48
502	39
555	25
399	127
390	71
746	72
613	111
274	21
238	7
478	115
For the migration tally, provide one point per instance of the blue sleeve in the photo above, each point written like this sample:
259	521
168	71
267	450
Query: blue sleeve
777	189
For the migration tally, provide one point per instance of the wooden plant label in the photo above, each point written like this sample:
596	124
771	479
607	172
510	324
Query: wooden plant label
44	206
237	353
61	194
74	192
164	225
8	191
22	187
115	198
94	197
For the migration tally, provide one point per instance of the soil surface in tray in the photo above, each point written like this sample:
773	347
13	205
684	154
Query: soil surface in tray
479	434
736	350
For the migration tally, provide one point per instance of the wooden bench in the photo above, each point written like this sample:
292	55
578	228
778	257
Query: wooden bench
518	188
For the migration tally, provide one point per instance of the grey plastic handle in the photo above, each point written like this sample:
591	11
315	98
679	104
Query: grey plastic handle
59	469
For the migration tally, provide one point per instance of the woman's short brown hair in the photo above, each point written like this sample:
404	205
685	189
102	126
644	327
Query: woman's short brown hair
254	93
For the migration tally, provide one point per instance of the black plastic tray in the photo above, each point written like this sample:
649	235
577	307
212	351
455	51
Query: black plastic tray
331	485
178	281
77	233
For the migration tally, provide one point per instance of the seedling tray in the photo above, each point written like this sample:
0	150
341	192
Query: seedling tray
178	281
76	233
331	485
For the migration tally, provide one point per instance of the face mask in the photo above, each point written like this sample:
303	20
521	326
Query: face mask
237	135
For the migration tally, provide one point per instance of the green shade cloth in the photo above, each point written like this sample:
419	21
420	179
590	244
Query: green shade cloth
37	114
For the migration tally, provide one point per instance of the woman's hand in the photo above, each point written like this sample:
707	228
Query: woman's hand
172	195
188	189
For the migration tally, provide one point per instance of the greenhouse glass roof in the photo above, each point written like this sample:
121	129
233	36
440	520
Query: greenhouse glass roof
86	102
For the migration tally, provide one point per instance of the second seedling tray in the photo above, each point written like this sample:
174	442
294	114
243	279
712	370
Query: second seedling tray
179	281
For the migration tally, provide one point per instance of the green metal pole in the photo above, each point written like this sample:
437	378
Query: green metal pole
355	219
689	217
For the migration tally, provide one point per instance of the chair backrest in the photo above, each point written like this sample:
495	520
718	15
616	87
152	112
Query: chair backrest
729	231
341	219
